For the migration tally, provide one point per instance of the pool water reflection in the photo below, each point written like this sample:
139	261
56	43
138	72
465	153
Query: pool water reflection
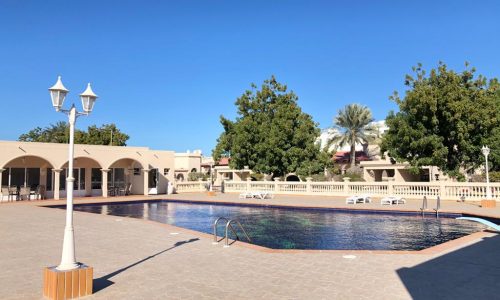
283	228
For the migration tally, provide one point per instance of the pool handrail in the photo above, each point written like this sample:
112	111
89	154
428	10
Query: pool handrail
424	205
215	227
482	221
228	225
438	206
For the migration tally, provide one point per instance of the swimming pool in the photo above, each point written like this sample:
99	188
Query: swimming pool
292	228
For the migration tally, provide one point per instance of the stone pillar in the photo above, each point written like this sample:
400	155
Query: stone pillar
146	181
308	185
442	189
1	172
248	183
57	183
104	183
390	186
276	185
88	181
346	185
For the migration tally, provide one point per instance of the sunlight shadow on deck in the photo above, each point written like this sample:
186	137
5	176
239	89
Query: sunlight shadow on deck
104	282
466	273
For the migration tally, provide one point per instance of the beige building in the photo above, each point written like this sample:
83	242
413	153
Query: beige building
222	172
384	170
98	170
185	163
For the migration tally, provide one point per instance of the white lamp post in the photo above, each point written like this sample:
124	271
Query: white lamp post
58	93
486	152
211	177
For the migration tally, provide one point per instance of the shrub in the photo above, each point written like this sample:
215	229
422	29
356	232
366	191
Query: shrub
477	178
353	176
257	176
319	177
494	176
195	176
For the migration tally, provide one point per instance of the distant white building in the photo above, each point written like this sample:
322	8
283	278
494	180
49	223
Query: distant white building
329	133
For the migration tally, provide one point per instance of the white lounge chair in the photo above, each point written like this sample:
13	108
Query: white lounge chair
264	195
358	199
390	200
246	195
256	195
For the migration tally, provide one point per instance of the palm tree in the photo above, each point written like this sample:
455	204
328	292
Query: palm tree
353	127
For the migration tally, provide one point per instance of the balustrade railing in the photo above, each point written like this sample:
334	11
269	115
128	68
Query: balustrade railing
191	186
444	189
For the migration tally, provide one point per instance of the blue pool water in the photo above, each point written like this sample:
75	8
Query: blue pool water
288	228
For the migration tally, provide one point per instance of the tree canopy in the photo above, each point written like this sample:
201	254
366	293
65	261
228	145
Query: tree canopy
353	126
59	133
444	119
271	134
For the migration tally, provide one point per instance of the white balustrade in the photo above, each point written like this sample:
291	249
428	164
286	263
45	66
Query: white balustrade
191	186
416	190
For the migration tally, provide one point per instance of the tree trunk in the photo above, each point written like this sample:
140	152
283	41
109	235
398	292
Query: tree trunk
353	155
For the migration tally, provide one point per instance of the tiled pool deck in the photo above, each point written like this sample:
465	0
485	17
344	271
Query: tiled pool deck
138	259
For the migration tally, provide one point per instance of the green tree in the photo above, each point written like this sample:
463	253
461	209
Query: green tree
493	139
54	133
107	134
59	133
444	119
271	134
353	127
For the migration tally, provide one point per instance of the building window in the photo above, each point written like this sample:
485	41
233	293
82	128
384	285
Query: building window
82	179
96	179
49	179
62	180
137	171
5	177
165	171
117	177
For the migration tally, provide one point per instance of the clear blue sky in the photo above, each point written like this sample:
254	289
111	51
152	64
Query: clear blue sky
166	70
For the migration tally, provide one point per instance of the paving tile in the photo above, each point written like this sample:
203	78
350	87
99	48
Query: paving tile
135	259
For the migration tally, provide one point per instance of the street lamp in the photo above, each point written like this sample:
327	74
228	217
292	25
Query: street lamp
58	93
211	177
486	152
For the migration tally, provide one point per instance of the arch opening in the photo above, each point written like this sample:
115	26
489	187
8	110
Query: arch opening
179	177
292	177
125	176
87	174
30	172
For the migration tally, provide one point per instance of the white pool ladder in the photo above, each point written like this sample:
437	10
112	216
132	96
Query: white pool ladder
228	226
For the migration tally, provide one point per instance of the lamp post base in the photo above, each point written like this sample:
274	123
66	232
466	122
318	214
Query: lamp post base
67	284
488	203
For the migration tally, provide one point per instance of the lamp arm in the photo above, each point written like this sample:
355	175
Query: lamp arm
77	113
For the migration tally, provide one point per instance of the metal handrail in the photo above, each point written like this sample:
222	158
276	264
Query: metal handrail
215	227
438	206
228	225
424	205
